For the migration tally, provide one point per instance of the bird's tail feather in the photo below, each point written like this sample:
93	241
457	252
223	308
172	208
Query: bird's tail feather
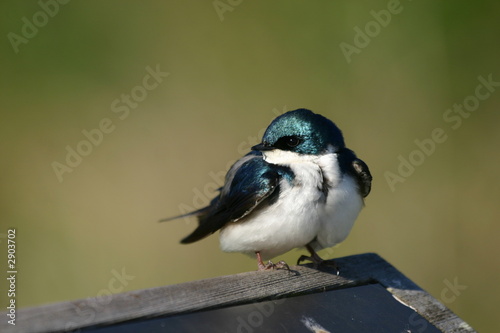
195	213
176	217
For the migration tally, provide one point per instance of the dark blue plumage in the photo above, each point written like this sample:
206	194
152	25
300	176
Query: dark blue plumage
315	132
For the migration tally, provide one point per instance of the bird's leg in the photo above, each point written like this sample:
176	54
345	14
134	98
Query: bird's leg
316	259
260	264
265	267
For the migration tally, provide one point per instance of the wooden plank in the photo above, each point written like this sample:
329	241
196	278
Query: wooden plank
231	290
367	308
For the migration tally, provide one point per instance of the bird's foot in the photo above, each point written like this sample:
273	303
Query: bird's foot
270	265
317	260
317	263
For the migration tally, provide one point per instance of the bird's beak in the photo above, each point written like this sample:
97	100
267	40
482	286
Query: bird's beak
262	147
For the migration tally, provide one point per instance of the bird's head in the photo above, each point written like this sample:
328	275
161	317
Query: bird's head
299	135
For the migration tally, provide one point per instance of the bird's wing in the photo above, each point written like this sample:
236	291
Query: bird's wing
363	176
250	184
357	169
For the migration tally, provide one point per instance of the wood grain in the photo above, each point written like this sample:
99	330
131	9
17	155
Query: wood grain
231	290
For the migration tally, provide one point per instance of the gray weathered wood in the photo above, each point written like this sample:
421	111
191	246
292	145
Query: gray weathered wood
234	289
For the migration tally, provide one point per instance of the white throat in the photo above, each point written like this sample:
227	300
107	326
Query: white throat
326	164
283	157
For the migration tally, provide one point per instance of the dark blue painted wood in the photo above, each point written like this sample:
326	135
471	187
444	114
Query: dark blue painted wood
368	308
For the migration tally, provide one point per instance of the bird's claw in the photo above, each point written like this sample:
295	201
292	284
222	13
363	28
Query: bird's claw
272	266
317	262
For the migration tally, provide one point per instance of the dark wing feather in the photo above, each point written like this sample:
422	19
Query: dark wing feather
249	183
363	176
356	168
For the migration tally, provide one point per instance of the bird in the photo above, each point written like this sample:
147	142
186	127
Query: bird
300	187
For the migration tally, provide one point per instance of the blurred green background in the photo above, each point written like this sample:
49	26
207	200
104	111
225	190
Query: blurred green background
230	73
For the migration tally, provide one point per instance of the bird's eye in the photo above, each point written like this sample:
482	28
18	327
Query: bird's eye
292	141
288	142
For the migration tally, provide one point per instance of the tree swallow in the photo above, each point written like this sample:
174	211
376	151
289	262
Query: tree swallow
300	187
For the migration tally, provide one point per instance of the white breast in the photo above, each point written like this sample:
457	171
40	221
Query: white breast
341	210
